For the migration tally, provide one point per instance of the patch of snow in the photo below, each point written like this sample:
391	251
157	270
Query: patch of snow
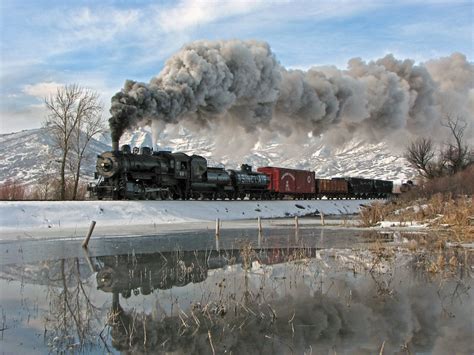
23	215
410	224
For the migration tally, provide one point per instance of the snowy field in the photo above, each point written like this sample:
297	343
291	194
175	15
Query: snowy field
74	215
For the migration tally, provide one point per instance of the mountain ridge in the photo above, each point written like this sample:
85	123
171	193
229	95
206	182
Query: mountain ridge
29	154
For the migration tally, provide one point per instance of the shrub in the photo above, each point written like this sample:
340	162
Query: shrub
12	190
371	215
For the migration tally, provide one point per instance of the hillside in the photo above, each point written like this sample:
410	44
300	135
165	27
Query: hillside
355	158
29	154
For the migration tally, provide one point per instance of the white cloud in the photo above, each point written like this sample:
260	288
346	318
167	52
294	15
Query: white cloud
98	25
42	90
26	117
191	13
446	29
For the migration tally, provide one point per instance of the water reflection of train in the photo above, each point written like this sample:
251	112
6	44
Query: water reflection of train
144	174
188	331
144	273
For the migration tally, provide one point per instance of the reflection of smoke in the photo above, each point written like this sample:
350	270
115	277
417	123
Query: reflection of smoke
241	83
350	316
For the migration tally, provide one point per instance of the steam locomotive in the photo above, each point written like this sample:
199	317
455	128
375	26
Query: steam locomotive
145	174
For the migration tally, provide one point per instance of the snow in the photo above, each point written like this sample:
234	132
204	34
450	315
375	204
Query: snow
411	224
29	155
28	215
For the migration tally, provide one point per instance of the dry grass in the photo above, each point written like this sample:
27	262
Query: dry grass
440	211
371	215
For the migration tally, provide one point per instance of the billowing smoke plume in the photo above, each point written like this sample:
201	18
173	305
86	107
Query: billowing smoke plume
241	83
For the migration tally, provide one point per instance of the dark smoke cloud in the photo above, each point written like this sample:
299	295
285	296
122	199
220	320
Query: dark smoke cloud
241	83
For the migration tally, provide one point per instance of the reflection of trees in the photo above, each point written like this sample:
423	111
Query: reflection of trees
72	320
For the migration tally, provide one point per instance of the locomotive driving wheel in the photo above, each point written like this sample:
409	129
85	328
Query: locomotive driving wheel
151	195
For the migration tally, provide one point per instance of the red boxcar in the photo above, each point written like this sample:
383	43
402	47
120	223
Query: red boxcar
330	187
289	181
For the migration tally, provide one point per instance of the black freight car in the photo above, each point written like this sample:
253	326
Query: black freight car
359	187
383	188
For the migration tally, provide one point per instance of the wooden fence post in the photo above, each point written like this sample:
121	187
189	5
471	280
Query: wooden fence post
89	234
218	233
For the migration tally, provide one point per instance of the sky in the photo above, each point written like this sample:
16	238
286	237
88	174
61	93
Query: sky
100	44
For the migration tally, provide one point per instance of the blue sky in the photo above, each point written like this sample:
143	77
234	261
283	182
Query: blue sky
99	44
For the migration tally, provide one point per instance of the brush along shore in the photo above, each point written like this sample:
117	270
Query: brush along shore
440	212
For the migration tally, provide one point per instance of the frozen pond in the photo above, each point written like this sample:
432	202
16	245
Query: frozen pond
315	291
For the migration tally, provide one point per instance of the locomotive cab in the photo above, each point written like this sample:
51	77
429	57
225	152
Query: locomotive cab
181	165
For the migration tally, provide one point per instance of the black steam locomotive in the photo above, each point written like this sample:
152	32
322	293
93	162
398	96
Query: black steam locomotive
145	174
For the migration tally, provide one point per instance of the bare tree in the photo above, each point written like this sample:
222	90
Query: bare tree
457	155
454	157
420	155
71	110
82	135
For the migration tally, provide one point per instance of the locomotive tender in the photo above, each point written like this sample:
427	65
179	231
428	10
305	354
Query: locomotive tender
144	174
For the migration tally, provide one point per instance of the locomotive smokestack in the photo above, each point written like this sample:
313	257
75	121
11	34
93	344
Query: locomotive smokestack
115	146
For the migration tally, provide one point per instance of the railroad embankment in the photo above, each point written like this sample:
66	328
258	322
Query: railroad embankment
35	217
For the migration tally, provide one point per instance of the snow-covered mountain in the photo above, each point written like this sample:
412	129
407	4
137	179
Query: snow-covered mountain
26	155
354	158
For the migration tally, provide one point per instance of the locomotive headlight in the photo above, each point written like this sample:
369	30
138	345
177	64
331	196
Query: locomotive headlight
107	164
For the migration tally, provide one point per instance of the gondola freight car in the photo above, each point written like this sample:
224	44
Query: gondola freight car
332	188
